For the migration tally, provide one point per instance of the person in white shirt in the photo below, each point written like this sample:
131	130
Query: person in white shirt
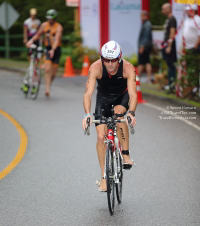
31	26
191	29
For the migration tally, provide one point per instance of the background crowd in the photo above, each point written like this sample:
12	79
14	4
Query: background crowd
190	44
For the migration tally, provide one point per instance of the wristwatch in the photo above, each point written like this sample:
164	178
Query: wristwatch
132	113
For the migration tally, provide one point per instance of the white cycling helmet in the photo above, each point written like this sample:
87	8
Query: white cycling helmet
111	50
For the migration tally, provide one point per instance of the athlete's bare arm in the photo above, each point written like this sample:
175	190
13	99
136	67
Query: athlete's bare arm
171	36
129	73
57	37
25	34
94	73
36	36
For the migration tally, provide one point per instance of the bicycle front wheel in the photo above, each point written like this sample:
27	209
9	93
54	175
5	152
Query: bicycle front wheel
36	84
120	177
110	179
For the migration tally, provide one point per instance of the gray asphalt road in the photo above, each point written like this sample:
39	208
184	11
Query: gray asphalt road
54	184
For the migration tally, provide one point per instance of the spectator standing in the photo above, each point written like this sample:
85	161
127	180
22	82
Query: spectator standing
191	30
31	26
145	45
169	52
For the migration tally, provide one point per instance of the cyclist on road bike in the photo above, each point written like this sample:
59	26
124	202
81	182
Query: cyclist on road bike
31	26
116	81
52	31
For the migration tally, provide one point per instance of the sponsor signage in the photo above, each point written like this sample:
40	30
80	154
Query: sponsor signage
72	3
125	24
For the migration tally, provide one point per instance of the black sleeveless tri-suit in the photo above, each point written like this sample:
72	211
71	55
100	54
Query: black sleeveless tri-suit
112	90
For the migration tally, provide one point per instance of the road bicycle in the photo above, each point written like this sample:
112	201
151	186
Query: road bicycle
113	160
32	79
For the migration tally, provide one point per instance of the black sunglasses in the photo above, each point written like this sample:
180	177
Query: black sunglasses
108	60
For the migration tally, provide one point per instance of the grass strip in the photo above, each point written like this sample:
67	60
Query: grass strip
171	96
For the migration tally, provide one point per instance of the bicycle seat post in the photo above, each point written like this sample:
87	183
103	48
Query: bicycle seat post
112	110
102	113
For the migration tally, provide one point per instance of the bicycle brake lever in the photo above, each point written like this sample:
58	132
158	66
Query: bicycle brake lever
87	131
131	127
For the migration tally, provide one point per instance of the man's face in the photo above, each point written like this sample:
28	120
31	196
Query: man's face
51	21
190	13
111	66
143	17
164	10
33	16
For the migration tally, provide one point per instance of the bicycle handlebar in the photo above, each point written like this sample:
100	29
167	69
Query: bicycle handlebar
87	131
104	120
34	48
116	121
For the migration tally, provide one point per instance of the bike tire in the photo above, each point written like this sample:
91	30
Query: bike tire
38	84
26	81
120	176
110	179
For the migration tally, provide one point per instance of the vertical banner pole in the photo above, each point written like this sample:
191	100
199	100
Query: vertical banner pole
76	19
145	5
104	21
7	43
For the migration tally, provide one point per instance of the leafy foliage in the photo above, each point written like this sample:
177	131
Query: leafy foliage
133	59
156	16
191	60
77	51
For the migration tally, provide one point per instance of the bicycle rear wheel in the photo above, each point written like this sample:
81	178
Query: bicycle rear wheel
36	85
120	176
110	179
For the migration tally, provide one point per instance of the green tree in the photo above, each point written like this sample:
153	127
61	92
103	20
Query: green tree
156	16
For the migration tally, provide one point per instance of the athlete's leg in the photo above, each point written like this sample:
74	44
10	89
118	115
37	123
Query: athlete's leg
55	61
149	70
48	75
123	134
101	132
140	69
54	70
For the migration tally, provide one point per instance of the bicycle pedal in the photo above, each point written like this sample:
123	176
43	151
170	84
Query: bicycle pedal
25	88
127	167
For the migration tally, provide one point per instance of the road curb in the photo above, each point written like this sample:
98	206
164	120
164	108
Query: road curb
21	70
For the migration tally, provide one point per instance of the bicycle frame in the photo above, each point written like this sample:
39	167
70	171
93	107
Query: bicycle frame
113	170
33	64
30	70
